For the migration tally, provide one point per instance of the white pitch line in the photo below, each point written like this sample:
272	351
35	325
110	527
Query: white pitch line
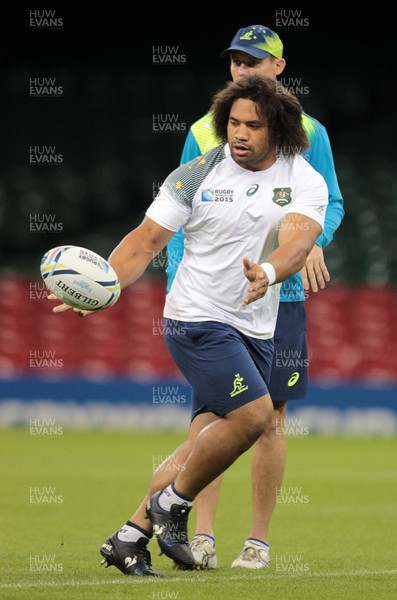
199	578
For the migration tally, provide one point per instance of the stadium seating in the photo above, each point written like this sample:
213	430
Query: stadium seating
351	333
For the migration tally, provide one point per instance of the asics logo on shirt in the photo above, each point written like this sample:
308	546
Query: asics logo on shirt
252	190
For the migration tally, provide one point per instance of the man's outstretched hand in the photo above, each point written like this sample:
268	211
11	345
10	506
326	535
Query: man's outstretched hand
63	307
258	278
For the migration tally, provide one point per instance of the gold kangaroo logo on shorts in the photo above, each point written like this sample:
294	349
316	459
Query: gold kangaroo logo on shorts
238	385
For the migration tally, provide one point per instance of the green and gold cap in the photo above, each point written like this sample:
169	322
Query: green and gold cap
258	41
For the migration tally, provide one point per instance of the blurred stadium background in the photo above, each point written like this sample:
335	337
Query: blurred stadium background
108	104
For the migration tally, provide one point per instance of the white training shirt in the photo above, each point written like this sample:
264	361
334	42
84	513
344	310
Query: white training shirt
228	212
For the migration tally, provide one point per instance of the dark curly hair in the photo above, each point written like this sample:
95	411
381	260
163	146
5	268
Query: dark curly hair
275	105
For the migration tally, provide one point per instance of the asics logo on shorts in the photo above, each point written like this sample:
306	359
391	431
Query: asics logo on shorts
293	379
238	386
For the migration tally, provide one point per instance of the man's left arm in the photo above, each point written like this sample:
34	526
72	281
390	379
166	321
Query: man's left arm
297	236
315	273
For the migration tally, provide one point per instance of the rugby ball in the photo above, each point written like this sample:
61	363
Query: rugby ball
80	278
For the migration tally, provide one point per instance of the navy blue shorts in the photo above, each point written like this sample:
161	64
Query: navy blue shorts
225	368
290	373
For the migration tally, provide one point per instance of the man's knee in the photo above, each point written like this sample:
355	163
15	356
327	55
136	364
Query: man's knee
264	419
251	421
276	426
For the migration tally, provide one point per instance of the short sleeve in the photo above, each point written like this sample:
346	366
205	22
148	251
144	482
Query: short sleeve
168	212
310	197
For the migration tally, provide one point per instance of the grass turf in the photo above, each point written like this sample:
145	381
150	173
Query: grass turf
333	532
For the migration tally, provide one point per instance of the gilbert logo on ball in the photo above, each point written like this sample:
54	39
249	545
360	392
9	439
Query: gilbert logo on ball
80	278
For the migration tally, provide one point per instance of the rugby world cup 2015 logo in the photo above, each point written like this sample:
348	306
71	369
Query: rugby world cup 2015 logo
207	195
282	196
222	195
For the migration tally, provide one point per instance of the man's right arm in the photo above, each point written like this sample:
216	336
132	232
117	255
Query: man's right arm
131	256
137	249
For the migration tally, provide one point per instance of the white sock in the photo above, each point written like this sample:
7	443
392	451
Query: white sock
209	537
131	533
263	545
168	497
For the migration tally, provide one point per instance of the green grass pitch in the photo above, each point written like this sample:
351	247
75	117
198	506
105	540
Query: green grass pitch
333	534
